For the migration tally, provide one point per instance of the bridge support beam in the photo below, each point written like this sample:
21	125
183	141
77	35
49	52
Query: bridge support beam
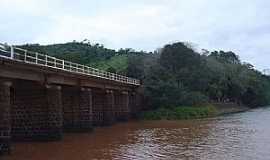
109	116
5	120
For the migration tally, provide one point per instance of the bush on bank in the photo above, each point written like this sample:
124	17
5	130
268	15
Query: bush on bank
180	113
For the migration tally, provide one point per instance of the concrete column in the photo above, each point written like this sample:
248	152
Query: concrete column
85	119
5	119
55	112
109	115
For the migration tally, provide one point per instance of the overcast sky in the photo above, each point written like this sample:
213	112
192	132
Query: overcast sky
242	26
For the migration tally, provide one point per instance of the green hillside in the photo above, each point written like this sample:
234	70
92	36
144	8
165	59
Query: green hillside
117	62
94	55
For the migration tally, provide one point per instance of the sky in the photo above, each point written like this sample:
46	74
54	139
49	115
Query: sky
241	26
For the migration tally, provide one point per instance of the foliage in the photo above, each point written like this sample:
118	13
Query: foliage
179	113
116	64
181	76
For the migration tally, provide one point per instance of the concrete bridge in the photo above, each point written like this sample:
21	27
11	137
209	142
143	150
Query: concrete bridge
42	96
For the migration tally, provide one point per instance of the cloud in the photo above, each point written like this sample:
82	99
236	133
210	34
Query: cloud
117	26
25	7
239	26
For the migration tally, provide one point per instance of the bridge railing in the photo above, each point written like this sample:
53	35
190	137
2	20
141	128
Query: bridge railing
36	58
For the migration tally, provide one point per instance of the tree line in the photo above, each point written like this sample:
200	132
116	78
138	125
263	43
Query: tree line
175	75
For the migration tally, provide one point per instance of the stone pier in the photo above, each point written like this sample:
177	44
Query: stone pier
5	122
36	111
85	114
77	107
122	109
55	112
98	107
109	114
132	104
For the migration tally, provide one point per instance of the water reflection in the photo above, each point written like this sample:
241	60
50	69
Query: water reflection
241	136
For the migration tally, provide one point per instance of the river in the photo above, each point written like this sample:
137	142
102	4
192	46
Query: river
242	136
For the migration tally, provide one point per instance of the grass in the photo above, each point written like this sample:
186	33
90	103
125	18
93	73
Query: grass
180	113
119	62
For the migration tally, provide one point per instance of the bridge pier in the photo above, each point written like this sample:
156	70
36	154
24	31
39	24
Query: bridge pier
55	112
109	115
98	107
122	110
77	104
125	108
85	116
5	125
132	104
135	102
36	111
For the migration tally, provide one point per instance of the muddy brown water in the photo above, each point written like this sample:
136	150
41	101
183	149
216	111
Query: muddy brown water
241	136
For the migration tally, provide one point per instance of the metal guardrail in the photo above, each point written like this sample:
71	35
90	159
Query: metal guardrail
22	55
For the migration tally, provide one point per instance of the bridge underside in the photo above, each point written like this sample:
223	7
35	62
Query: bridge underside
33	110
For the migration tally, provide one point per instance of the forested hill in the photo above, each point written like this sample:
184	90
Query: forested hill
89	54
174	75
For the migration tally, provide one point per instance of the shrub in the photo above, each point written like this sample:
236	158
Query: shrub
180	113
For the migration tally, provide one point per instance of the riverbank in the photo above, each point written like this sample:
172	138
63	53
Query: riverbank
229	108
183	113
180	113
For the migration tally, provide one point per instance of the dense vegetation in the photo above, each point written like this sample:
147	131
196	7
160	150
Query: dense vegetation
175	75
180	113
182	76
